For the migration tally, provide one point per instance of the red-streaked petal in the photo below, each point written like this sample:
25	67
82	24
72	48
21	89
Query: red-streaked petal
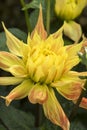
19	92
10	80
7	60
39	28
38	94
54	111
83	103
71	91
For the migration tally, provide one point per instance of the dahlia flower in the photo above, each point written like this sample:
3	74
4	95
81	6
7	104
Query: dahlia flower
40	66
69	9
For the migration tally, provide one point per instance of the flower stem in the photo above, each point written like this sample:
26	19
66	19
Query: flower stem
48	17
26	16
38	118
76	106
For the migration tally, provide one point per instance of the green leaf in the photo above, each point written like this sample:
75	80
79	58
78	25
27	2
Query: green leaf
34	4
2	127
17	32
15	119
80	122
47	125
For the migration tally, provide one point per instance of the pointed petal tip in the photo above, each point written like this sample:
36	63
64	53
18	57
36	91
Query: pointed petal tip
39	28
7	101
3	25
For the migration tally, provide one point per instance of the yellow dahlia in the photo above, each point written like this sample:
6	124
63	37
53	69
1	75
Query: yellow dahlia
39	67
69	9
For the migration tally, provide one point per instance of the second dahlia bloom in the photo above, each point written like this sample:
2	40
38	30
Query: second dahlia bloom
69	9
39	67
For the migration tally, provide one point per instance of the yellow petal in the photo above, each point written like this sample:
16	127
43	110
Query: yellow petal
18	71
54	112
31	67
40	27
70	87
55	42
19	92
39	75
69	64
51	75
13	43
72	58
38	94
7	60
10	80
73	50
72	30
74	73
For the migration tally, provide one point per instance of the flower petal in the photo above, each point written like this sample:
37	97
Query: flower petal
13	43
18	71
55	42
21	91
7	60
74	73
71	63
40	27
70	87
83	103
72	59
10	80
38	94
73	50
54	112
72	30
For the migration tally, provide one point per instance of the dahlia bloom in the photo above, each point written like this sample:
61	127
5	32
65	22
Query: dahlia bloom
69	9
39	67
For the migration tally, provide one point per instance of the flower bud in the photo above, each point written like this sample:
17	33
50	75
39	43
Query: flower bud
69	9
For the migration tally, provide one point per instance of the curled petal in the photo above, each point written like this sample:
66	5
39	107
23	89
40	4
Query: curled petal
21	91
70	86
7	60
54	111
10	80
72	30
70	91
18	71
38	94
13	43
